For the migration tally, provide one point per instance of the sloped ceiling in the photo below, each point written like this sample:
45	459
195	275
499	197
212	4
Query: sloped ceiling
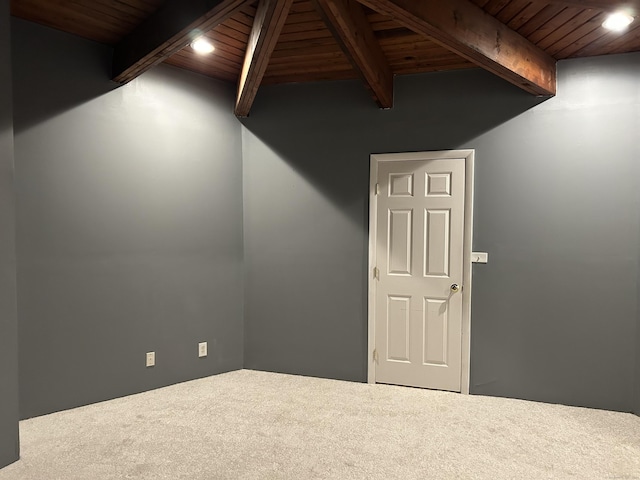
282	41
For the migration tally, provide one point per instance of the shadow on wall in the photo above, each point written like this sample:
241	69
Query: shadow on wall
43	96
306	151
326	131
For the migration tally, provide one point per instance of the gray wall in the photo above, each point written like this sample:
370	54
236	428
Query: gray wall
129	224
560	294
9	449
555	310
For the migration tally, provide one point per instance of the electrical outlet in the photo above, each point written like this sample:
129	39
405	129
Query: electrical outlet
151	359
202	349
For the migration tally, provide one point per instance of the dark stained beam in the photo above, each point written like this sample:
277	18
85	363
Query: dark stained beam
167	31
467	30
348	22
267	25
604	5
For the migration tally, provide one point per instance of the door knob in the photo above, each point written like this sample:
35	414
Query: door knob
455	288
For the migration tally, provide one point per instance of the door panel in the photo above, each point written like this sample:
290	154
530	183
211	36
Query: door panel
400	241
435	328
437	228
398	310
401	185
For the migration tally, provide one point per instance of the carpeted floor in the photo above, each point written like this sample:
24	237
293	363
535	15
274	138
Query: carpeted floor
256	425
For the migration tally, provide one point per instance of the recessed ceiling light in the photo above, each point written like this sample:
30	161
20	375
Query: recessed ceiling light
617	21
202	45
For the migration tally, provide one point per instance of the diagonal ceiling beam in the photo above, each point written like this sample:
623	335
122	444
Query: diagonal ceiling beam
167	31
348	22
267	25
467	30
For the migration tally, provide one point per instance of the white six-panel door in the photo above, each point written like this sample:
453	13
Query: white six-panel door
419	274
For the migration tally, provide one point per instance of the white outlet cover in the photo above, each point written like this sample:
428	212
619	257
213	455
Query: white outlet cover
202	349
151	359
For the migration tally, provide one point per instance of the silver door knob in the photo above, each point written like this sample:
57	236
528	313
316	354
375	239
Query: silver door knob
455	288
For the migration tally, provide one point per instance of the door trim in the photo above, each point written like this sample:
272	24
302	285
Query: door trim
469	159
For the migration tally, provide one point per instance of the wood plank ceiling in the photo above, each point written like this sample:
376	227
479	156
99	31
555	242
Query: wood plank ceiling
282	41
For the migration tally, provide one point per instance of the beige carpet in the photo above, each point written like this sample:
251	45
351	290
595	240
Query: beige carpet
255	425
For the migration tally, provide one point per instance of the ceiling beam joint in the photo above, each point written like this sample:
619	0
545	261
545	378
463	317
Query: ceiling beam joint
467	30
176	24
348	22
267	25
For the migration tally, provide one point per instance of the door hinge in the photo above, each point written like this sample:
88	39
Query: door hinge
375	355
376	273
377	189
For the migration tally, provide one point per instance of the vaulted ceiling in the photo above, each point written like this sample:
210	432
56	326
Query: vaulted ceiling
280	41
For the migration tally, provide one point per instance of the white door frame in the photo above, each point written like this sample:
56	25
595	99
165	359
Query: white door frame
468	156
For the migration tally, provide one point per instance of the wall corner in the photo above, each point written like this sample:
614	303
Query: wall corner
9	410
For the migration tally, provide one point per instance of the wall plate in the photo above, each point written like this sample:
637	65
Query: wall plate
479	257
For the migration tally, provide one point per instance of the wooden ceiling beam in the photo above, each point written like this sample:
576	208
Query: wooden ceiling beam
467	30
604	5
171	28
348	22
267	25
